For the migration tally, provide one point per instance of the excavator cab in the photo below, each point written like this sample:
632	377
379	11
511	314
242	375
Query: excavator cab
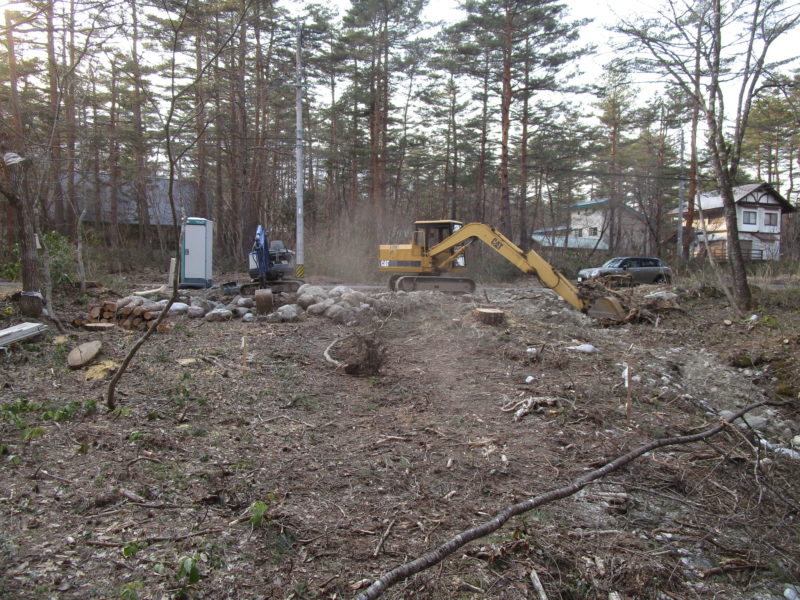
429	233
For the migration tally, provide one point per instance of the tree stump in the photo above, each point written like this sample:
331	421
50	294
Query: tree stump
489	316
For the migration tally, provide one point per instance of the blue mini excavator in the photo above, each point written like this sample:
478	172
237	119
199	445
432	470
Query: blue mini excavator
271	266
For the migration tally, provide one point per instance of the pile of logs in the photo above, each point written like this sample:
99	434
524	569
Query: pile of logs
130	312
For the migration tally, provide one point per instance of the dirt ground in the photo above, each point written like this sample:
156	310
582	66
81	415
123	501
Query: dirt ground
241	464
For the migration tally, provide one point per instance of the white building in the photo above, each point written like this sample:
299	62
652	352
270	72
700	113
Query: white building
759	212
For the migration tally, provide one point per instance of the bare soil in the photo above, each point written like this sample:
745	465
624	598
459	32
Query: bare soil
239	447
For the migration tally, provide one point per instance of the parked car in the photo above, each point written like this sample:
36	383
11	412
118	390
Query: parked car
641	269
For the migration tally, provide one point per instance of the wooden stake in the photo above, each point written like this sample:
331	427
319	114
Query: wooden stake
244	356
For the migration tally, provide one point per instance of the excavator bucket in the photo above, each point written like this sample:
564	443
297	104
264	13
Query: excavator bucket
606	307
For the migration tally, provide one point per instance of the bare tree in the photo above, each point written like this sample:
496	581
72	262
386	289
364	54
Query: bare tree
732	42
173	126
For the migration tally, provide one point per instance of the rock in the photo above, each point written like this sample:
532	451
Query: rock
320	307
248	317
274	318
288	312
351	298
196	312
245	302
796	441
339	290
306	300
179	308
791	592
311	290
206	305
219	314
338	314
757	422
239	311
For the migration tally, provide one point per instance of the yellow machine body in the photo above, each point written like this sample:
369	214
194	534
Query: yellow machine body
438	247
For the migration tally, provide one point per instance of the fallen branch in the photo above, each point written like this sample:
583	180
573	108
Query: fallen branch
383	538
156	538
473	533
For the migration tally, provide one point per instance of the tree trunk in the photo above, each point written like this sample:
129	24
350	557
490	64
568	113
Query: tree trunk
55	137
504	215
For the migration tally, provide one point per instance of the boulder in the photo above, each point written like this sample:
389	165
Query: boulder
306	300
196	312
353	298
239	311
339	313
219	314
320	307
206	305
248	317
289	312
311	290
179	308
339	290
245	302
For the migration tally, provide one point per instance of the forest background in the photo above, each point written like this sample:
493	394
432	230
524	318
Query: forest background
113	106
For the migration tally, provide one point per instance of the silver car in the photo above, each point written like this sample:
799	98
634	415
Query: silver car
641	269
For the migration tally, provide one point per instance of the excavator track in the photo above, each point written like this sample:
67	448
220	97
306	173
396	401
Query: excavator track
450	285
279	286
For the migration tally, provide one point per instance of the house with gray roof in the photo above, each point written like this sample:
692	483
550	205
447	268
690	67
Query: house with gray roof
598	225
759	215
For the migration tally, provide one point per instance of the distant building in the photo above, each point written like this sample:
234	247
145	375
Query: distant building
598	225
98	201
759	213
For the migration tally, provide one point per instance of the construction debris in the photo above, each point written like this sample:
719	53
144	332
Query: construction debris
20	332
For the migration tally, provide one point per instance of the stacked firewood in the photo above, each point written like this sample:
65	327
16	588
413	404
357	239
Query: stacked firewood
130	312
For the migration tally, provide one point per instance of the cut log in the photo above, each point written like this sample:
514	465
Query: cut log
489	316
109	306
99	326
108	314
123	302
124	312
94	312
151	314
148	307
83	354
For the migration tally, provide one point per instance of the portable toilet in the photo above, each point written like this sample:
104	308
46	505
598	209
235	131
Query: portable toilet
197	249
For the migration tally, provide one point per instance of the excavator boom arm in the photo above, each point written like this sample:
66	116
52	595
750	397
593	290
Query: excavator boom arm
529	262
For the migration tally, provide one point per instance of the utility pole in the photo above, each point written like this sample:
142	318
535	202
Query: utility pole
299	269
681	194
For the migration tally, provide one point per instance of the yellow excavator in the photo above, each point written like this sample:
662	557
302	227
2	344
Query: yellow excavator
439	247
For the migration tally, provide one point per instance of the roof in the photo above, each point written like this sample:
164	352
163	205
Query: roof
560	228
601	203
442	222
550	241
713	200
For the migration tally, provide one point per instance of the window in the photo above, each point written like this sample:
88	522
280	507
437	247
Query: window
592	231
771	219
749	217
578	232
